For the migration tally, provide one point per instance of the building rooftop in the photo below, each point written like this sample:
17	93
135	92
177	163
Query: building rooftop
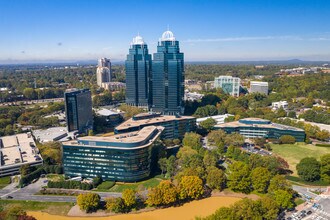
259	83
149	121
256	122
17	149
126	138
50	134
106	112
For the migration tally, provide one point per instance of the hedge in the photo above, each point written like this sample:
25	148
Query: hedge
70	184
322	145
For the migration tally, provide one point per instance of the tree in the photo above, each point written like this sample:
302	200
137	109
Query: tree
245	209
88	202
171	166
190	187
154	197
325	167
210	159
239	177
129	197
168	191
309	169
268	208
162	163
287	139
260	141
283	199
14	212
260	178
208	124
216	178
97	181
278	182
192	140
234	139
184	156
29	93
25	169
115	204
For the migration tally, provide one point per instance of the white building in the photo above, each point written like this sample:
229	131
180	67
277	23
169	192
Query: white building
18	150
229	84
280	104
220	119
257	86
192	96
113	86
103	71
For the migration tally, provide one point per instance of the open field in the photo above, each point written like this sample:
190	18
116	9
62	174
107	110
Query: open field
188	211
293	153
55	208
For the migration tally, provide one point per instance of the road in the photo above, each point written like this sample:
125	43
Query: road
28	193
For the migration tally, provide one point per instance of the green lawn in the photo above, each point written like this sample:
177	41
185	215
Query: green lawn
4	181
293	153
55	208
55	177
143	185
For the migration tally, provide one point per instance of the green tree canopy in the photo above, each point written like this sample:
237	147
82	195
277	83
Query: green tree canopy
239	177
309	169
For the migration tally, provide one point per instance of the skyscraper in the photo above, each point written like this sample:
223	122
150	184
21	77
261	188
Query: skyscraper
168	76
78	110
138	68
103	71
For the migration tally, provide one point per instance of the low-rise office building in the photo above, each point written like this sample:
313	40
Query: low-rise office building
16	151
220	119
280	104
111	118
261	87
175	126
258	128
123	157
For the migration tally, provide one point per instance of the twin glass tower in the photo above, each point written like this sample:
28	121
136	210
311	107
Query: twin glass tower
158	84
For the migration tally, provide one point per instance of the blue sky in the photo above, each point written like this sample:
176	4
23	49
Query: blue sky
218	30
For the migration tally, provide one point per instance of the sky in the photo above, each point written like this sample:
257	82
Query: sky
208	30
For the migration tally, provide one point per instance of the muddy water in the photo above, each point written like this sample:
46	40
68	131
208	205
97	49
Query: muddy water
186	212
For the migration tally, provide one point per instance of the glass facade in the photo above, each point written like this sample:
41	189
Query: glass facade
112	160
138	78
78	109
168	78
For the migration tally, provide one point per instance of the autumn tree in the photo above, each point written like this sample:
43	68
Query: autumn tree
115	204
216	178
154	197
234	139
190	187
239	177
268	208
210	159
260	178
129	197
168	191
88	202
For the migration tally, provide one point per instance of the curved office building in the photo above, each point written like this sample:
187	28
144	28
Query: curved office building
256	127
124	157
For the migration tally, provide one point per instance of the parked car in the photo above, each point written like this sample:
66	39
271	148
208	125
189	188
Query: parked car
9	197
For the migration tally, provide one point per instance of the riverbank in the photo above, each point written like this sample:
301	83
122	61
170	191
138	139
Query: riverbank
188	211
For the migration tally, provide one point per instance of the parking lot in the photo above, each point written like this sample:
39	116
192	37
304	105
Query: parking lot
251	148
319	210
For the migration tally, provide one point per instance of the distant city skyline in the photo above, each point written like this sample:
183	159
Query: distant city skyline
240	30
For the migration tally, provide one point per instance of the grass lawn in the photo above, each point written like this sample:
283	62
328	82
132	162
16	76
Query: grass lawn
55	208
299	181
138	186
293	153
55	177
4	181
